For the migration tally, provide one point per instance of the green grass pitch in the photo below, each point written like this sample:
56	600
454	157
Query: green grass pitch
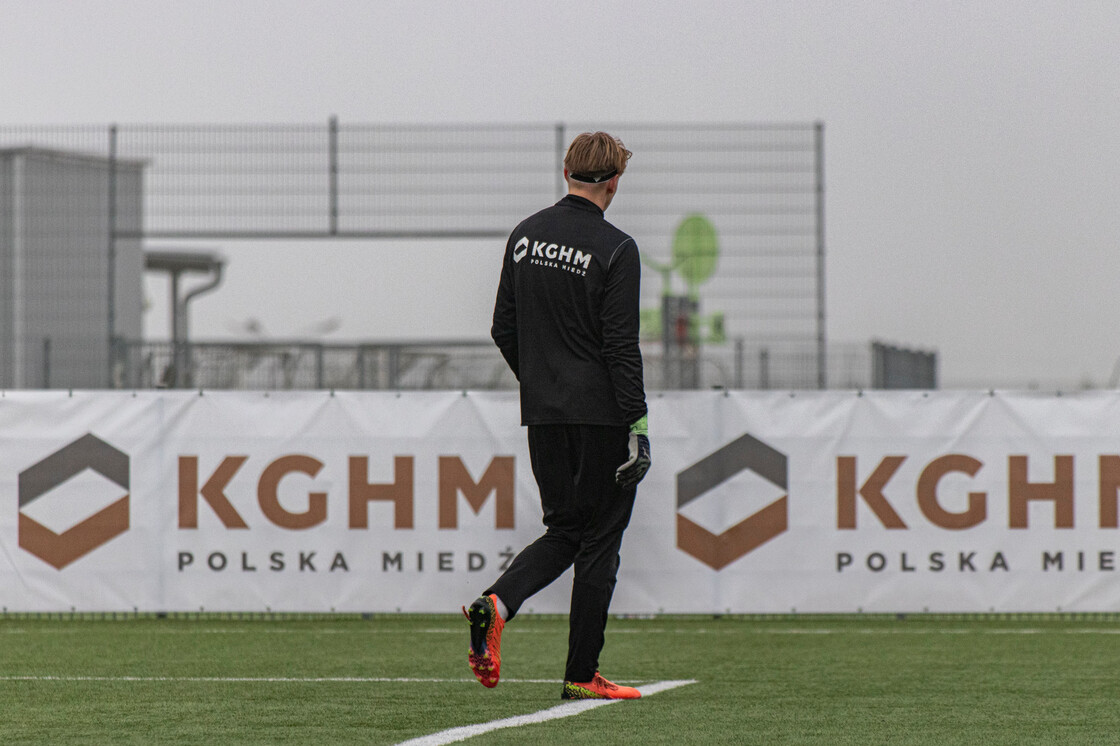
795	680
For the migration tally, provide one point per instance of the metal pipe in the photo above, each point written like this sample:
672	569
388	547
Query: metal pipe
194	293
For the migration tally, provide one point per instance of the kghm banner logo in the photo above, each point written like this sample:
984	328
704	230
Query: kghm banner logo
744	454
60	549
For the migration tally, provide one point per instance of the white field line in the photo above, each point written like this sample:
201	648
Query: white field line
462	733
270	679
947	631
701	631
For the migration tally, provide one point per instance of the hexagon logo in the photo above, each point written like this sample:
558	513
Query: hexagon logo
746	453
60	549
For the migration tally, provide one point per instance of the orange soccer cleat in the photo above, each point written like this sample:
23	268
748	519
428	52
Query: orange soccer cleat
485	654
598	688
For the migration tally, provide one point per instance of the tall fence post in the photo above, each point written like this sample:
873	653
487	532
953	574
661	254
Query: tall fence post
111	278
561	186
822	347
739	350
332	156
394	367
46	362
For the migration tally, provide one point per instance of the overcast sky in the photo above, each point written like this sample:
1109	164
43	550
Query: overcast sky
972	159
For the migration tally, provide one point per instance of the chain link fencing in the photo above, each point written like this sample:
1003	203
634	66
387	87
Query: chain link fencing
760	186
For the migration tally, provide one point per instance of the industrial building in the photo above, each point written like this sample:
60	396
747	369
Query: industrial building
68	286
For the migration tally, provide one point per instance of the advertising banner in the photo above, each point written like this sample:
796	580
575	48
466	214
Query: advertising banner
757	502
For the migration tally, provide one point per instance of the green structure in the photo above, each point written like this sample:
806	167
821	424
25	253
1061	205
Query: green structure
678	323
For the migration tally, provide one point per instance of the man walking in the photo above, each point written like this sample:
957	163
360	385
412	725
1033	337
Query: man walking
566	321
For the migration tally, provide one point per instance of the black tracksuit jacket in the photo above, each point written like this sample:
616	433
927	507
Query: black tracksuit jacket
566	317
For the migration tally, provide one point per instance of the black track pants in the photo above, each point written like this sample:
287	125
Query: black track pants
585	515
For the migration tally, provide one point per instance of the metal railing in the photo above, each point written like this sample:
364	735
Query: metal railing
475	365
310	365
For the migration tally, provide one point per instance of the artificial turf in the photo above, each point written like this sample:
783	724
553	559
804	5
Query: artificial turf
795	680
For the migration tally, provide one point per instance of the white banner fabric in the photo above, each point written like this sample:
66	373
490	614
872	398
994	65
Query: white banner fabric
757	502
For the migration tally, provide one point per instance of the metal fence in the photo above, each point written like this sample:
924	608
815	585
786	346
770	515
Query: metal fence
400	366
306	365
760	185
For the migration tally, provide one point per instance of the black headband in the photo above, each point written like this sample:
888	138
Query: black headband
589	179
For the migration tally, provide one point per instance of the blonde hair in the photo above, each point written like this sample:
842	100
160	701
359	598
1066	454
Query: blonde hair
594	154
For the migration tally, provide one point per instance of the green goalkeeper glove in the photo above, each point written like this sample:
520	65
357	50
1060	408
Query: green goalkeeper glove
630	473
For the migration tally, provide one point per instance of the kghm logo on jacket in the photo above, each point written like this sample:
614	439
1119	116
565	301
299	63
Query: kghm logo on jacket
553	255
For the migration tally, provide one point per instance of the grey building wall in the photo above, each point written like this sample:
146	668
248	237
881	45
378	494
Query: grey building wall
55	298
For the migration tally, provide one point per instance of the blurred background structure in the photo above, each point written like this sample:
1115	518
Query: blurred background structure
730	220
69	283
